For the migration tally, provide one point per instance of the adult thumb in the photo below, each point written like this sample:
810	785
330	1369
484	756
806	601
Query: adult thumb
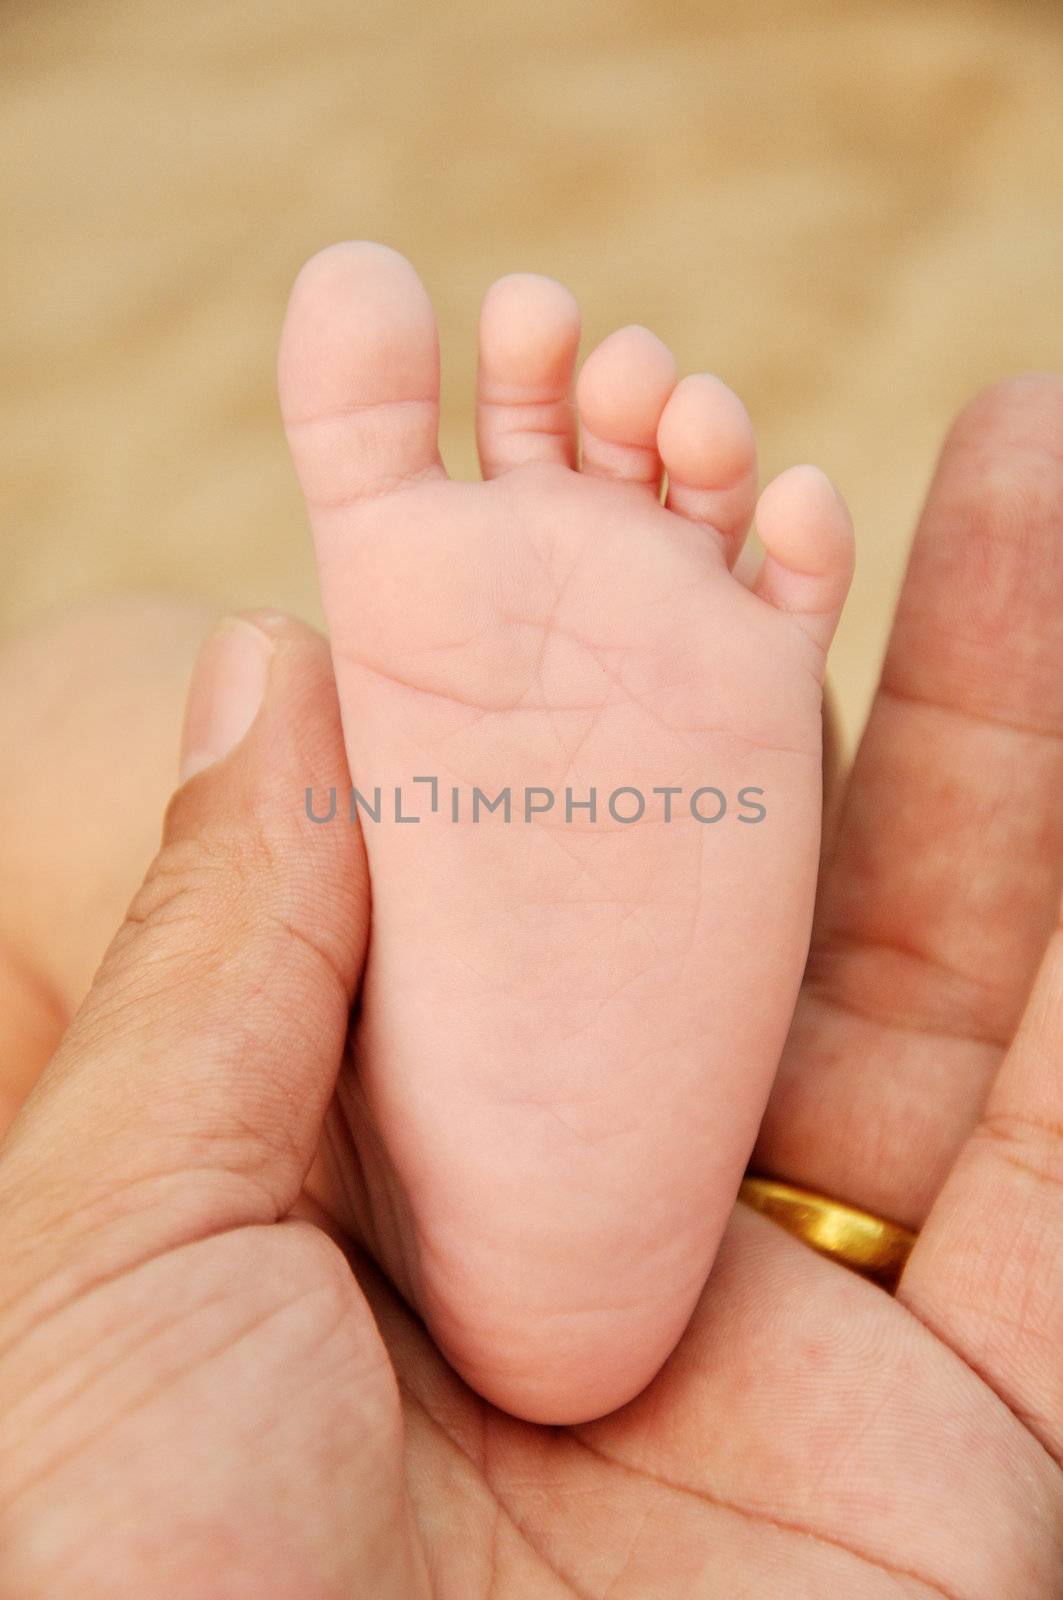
187	1096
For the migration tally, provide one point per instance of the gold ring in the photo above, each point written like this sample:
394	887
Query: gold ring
858	1239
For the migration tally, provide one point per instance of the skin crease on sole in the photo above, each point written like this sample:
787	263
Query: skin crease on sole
569	1023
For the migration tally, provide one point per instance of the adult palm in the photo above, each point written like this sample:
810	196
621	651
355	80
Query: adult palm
196	1399
811	1434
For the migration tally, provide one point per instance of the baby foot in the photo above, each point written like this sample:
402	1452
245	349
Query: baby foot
570	1017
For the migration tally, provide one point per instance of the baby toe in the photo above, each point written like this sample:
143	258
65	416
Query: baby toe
622	390
709	452
529	334
807	533
358	376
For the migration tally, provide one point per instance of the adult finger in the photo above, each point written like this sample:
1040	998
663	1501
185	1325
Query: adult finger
188	1094
986	1273
947	864
833	775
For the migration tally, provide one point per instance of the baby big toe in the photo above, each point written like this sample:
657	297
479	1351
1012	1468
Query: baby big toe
359	376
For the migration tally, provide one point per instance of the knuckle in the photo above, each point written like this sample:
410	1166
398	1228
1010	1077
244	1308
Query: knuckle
204	875
191	912
1033	1145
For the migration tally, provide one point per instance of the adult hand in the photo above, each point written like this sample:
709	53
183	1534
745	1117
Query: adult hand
812	1436
194	1399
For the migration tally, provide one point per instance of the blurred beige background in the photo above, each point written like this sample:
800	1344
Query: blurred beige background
853	212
